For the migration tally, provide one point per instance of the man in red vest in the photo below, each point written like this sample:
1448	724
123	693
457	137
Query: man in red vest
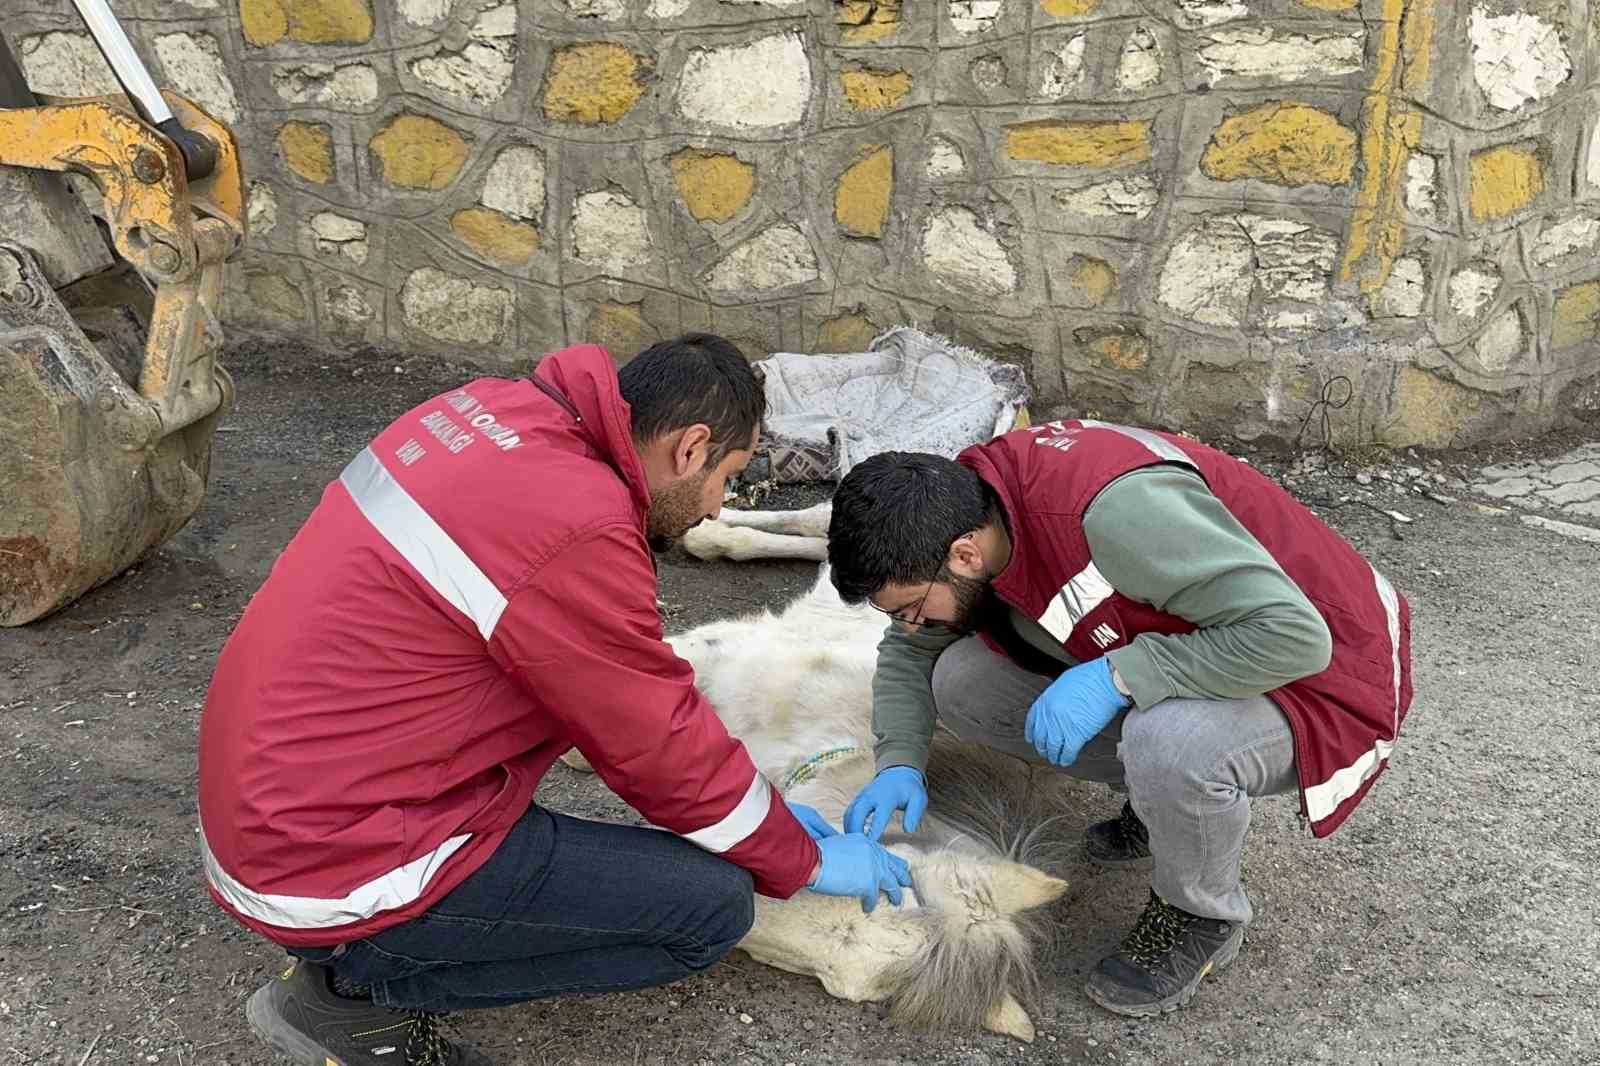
1140	610
472	597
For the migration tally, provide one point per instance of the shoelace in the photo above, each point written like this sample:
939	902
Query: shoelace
1156	932
425	1044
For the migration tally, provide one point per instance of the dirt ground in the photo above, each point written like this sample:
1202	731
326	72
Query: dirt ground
1452	920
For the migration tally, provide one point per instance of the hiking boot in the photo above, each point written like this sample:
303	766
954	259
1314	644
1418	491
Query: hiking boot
302	1017
1163	960
1117	841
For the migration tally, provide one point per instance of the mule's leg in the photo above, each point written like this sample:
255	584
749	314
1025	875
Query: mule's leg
807	522
718	540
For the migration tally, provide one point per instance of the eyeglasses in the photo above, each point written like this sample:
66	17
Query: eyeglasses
931	626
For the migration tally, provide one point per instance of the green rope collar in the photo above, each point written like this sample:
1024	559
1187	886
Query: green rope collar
808	769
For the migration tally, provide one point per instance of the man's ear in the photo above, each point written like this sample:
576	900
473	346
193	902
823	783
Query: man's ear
691	450
964	558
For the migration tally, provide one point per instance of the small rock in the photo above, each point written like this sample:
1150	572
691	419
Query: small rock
808	1025
1413	471
746	1019
1363	479
1093	1042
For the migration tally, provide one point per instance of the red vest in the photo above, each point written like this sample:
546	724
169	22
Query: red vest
1345	719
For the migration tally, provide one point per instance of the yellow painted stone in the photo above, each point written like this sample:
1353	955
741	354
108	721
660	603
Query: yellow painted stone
1577	316
1080	144
1066	9
418	152
264	22
1286	144
871	31
1504	180
1429	410
853	12
874	90
307	150
592	83
861	200
1121	351
714	187
846	333
276	297
1331	5
496	236
620	329
1091	281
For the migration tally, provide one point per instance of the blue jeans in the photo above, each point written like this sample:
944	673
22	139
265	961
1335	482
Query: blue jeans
564	905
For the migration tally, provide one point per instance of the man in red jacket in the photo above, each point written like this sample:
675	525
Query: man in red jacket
1135	609
472	597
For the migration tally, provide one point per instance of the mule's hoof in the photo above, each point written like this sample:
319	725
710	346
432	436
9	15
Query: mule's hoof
1009	1019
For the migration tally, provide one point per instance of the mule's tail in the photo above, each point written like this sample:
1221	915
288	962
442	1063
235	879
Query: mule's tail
1001	947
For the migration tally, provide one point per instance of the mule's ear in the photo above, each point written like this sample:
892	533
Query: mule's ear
1009	1019
1020	888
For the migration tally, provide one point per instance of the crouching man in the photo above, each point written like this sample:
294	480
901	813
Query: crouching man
1136	609
474	596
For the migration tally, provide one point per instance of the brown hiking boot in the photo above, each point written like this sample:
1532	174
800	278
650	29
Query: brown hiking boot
302	1017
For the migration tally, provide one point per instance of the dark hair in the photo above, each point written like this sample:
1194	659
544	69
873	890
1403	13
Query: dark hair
698	377
895	516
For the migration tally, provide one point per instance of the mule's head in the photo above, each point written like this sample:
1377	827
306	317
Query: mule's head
957	954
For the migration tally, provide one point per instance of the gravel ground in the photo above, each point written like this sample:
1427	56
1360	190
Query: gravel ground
1452	920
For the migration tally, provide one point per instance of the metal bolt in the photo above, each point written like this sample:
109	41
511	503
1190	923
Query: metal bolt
149	167
14	287
165	258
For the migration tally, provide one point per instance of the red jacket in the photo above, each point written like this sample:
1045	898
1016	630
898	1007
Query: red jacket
473	597
1345	719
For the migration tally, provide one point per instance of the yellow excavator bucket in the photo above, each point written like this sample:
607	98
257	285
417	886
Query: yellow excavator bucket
109	383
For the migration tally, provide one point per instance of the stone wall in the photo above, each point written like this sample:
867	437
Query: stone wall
1199	213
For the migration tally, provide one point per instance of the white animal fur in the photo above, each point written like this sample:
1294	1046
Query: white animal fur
745	535
962	950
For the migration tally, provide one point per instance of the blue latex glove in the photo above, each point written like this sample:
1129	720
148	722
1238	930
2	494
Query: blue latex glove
896	788
852	865
1075	707
812	822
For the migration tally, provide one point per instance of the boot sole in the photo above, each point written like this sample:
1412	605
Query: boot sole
1225	954
266	1023
1132	863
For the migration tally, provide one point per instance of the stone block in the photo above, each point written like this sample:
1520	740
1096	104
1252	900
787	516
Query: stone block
419	152
479	71
266	22
611	232
778	258
763	84
1575	319
1080	144
714	186
59	63
195	66
457	310
337	86
498	238
594	83
864	192
1282	143
1261	54
868	89
1518	58
515	183
1504	180
306	149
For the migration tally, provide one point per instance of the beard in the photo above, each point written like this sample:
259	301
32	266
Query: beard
674	511
970	595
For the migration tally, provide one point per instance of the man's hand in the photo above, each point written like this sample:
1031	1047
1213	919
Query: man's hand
1075	707
812	822
852	865
896	788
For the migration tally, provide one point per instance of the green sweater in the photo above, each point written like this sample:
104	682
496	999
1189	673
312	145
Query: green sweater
1158	536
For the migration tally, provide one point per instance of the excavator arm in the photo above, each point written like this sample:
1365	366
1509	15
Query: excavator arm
110	388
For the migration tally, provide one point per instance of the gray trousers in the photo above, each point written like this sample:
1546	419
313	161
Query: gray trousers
1189	767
